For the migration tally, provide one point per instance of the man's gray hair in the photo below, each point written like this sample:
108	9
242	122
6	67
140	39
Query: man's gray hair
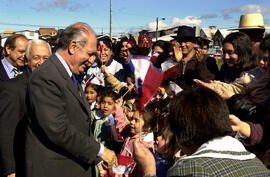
35	42
72	33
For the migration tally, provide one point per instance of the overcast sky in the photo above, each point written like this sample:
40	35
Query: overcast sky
128	15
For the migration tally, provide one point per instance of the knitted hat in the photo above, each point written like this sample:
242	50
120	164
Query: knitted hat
145	41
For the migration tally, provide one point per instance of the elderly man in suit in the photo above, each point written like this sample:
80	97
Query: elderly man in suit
13	109
14	61
59	141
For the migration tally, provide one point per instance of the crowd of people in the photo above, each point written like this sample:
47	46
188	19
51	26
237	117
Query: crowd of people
77	111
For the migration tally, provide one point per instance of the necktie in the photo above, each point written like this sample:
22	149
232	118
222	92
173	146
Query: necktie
16	72
75	81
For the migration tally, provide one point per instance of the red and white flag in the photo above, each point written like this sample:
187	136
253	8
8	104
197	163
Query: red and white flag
169	69
147	79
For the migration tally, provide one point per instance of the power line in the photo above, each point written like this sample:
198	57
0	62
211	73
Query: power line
56	26
30	25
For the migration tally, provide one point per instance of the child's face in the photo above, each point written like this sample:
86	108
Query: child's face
162	143
136	123
90	94
107	106
97	105
263	60
160	93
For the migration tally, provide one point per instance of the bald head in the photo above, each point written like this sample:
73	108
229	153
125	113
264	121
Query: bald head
79	32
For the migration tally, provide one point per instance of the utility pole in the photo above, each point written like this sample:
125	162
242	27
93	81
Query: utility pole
111	19
156	28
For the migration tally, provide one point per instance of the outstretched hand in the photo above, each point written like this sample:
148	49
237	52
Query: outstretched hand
205	84
226	94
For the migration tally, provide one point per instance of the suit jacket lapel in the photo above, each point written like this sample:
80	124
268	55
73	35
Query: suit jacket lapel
69	83
3	73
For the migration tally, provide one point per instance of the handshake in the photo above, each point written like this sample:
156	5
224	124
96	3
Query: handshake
109	157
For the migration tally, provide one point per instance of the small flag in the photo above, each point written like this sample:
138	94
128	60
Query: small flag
147	79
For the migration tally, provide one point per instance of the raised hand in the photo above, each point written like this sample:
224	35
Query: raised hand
239	126
105	70
199	55
177	52
144	158
118	103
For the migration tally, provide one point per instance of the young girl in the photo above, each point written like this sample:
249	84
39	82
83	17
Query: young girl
91	93
141	126
165	150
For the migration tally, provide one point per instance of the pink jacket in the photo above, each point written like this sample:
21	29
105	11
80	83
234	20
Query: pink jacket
123	128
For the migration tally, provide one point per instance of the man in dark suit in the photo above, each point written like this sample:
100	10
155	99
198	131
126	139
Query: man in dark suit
59	141
14	61
13	109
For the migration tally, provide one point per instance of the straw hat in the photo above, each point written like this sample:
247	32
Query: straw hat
251	21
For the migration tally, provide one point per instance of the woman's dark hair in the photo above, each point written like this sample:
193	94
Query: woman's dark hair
162	44
243	48
97	88
265	44
198	115
107	41
130	40
166	47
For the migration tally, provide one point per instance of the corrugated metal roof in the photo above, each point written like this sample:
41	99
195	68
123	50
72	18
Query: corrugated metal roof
8	32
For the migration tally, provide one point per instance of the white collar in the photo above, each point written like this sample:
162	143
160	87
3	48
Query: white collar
228	144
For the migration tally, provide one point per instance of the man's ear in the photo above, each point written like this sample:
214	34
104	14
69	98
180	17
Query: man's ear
72	47
8	50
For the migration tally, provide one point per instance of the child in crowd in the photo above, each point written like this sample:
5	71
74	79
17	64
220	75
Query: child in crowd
165	93
103	120
126	90
165	150
91	93
141	126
